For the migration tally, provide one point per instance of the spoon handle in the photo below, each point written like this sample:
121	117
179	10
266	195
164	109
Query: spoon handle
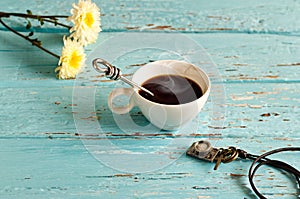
115	73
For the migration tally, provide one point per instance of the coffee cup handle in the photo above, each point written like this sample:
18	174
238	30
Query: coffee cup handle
118	92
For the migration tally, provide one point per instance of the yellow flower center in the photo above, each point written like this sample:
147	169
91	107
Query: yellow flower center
89	19
75	60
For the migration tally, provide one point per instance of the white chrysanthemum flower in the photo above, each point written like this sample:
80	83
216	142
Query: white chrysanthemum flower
71	60
86	20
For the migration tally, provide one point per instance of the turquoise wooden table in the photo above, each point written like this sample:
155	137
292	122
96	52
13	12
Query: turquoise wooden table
45	149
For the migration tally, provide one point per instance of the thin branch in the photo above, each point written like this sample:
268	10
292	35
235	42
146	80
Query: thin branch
33	42
57	23
47	18
7	14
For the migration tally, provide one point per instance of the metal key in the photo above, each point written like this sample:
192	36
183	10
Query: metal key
204	151
219	159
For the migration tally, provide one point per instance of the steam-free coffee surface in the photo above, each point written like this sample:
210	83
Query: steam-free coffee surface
171	89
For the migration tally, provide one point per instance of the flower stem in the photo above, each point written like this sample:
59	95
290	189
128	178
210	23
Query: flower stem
57	23
8	14
34	42
47	18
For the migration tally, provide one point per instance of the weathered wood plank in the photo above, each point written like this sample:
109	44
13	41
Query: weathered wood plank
238	57
42	168
279	17
252	110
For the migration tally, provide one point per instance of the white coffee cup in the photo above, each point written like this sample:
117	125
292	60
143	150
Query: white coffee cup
163	116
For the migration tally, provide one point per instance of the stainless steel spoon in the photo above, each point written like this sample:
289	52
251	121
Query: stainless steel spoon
115	73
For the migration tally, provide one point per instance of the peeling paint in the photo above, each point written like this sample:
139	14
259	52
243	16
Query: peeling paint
289	64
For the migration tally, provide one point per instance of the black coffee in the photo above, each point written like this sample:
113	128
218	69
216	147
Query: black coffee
171	89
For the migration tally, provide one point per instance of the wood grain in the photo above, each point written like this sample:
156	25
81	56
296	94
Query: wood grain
255	47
